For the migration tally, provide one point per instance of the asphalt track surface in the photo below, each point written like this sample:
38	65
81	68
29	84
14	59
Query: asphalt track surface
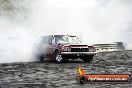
53	75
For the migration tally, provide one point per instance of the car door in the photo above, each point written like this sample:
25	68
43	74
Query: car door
43	47
49	46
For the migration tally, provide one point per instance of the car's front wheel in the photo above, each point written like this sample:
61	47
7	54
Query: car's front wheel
57	57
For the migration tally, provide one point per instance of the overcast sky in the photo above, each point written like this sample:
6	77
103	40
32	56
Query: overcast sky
98	21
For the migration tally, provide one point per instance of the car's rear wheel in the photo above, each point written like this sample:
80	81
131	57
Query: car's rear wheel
88	59
41	58
57	57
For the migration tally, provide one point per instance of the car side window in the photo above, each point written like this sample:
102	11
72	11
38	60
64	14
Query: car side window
49	40
46	40
43	40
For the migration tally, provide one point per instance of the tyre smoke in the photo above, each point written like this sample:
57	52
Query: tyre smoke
98	21
16	41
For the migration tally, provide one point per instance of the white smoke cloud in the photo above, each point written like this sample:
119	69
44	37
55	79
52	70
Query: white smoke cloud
15	45
98	21
16	41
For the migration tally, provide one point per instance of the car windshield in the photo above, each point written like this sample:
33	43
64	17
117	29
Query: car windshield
67	40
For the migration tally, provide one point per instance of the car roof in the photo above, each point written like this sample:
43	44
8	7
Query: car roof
65	35
59	35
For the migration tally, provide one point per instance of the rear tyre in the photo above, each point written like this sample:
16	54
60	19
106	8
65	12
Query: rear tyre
41	58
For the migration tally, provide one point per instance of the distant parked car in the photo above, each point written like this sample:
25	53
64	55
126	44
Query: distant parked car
60	48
